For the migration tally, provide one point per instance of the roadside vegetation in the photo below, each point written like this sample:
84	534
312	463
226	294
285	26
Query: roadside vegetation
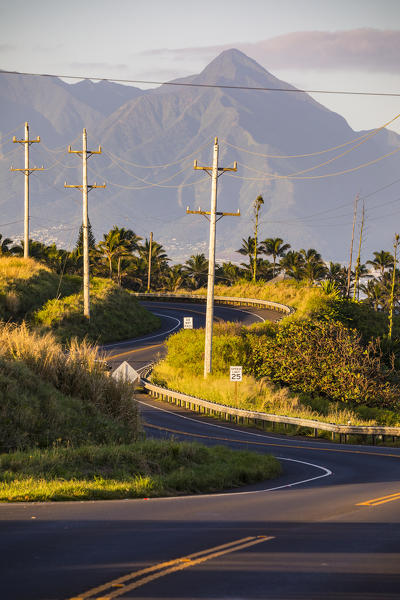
150	468
69	431
114	315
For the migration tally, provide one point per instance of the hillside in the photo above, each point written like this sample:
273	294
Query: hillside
29	290
173	125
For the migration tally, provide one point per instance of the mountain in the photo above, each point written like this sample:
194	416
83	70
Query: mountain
167	128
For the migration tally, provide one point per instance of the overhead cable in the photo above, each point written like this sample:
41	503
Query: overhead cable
204	85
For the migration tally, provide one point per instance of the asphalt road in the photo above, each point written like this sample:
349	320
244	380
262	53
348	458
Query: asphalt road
328	528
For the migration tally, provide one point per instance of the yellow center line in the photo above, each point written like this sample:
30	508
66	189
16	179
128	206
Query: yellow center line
251	442
125	583
382	500
110	356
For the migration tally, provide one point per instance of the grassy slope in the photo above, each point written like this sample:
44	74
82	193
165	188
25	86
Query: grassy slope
29	289
34	413
146	469
115	314
26	284
305	299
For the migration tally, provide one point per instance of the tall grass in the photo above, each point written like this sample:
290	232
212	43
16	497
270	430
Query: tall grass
26	284
304	298
78	374
260	396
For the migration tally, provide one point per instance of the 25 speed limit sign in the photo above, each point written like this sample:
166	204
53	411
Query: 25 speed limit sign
236	373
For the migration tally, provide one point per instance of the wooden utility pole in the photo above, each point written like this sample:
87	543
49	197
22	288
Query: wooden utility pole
257	203
215	171
359	255
85	153
149	261
351	246
395	246
27	171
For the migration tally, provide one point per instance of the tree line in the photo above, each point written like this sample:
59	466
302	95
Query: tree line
123	256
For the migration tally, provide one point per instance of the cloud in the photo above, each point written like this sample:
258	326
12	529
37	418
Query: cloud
92	67
356	49
361	49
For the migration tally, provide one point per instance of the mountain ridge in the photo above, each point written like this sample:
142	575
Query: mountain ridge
177	124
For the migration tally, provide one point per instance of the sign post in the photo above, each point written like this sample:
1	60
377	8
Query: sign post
236	374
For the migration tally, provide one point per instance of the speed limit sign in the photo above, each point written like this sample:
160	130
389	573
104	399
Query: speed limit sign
236	373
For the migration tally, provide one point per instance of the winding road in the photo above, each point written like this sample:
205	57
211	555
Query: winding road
328	528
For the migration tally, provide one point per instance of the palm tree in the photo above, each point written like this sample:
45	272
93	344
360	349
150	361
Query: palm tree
313	267
227	273
4	245
257	205
174	279
196	270
383	260
276	248
375	293
337	275
293	264
159	261
112	246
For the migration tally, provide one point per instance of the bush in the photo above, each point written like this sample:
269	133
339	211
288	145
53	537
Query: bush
324	358
186	348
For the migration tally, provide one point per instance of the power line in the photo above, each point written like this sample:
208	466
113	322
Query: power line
205	85
294	176
361	137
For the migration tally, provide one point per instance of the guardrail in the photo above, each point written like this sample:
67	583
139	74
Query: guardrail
217	300
239	415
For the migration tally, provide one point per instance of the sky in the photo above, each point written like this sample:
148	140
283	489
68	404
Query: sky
337	45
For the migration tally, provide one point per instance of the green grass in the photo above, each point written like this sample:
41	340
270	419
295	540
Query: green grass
115	314
48	395
144	469
304	298
26	284
264	396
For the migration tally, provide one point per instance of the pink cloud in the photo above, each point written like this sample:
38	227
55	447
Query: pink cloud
361	49
366	49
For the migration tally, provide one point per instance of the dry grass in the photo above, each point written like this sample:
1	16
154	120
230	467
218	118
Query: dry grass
78	373
299	295
261	396
12	267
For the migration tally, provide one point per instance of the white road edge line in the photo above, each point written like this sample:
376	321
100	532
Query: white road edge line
150	337
261	435
327	472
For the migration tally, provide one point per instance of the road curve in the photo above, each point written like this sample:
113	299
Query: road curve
328	528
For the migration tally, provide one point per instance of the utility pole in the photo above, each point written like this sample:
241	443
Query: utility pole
391	303
215	171
359	255
351	246
257	204
27	171
149	261
85	153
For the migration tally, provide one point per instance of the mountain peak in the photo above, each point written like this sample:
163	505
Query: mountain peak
233	67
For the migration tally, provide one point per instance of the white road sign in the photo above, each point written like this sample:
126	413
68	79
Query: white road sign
236	373
187	322
126	373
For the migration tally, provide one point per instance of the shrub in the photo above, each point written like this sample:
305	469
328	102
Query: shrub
324	358
186	348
